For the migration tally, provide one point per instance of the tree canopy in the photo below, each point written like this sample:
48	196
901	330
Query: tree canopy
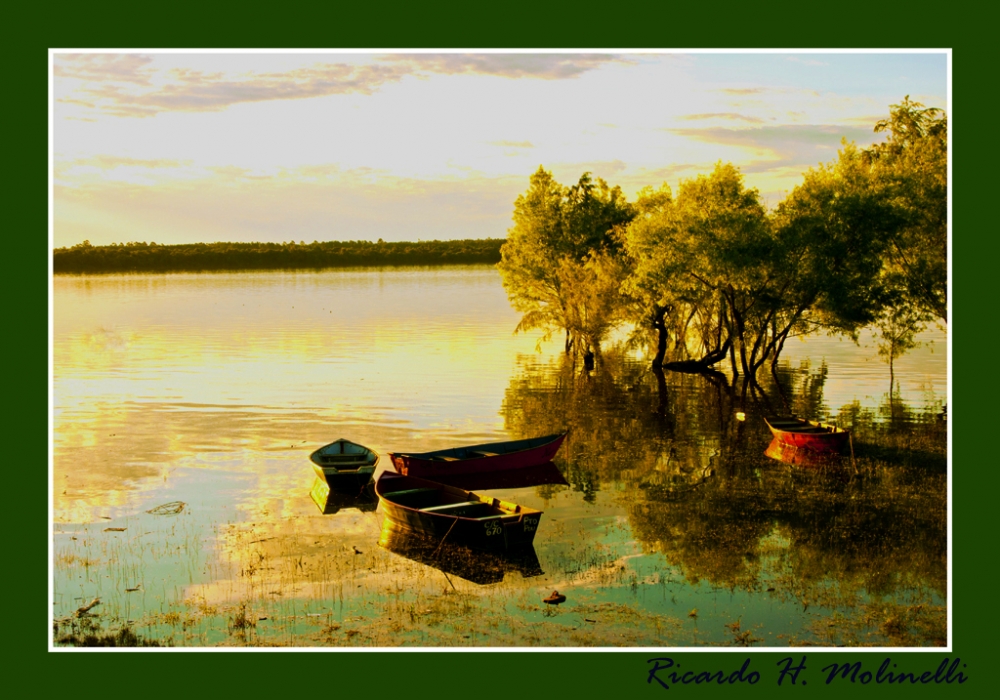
862	241
558	261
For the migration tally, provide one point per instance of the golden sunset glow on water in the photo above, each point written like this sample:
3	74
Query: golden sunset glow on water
211	390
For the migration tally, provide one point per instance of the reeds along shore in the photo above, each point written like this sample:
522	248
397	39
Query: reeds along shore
205	257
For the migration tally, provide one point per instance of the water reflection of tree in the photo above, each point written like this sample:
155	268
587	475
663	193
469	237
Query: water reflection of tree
896	434
627	422
878	536
791	390
698	488
615	417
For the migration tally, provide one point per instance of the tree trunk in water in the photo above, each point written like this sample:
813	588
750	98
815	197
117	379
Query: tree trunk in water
892	378
661	390
777	353
704	363
661	335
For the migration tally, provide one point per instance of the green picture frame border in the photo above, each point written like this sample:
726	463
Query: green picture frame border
517	24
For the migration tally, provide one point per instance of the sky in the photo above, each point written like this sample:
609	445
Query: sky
173	147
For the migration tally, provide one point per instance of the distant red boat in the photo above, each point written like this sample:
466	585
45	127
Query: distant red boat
477	459
809	435
810	459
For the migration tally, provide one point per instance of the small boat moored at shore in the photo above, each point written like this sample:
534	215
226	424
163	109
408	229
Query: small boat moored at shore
344	464
809	435
453	514
472	459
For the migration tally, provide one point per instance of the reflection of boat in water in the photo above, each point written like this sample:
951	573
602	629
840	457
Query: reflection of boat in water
808	435
790	454
472	459
329	501
343	463
546	473
449	513
458	560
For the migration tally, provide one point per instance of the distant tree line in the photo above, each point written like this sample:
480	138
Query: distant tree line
203	257
707	274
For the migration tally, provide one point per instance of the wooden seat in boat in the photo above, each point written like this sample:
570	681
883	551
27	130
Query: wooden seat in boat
450	506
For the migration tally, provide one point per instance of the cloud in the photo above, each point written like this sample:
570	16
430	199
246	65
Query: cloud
106	162
513	144
131	85
569	173
743	91
188	90
770	91
514	65
128	68
792	143
729	116
868	121
100	166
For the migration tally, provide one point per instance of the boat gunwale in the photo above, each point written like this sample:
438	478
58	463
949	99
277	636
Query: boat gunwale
800	426
515	512
548	440
370	456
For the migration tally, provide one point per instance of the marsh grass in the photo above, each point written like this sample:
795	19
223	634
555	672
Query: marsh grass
86	631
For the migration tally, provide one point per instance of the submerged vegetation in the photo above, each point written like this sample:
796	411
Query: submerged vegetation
861	242
84	631
204	257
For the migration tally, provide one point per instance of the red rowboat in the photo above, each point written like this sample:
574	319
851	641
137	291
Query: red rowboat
547	473
810	459
474	459
809	435
453	514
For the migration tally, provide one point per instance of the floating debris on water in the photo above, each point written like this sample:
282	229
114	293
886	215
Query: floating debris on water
172	508
84	609
555	598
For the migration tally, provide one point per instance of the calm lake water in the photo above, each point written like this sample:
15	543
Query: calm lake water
671	527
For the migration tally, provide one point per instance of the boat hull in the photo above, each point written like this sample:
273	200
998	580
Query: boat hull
330	500
342	480
344	465
804	458
447	513
456	559
808	435
538	475
479	459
